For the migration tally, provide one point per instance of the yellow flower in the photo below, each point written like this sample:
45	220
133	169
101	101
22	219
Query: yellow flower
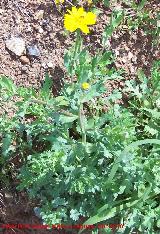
85	85
59	1
78	18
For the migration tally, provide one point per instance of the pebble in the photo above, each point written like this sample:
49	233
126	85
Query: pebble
44	65
50	65
40	30
37	211
24	68
24	60
16	45
39	15
33	50
52	36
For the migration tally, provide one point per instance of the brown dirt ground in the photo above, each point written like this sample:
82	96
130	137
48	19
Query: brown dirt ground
133	50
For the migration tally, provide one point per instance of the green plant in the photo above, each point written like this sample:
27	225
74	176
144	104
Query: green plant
139	162
68	136
145	102
77	159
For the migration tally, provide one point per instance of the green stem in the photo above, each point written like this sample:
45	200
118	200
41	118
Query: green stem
77	48
81	120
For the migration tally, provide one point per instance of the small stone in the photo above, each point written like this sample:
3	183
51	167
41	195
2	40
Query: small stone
50	65
16	45
24	59
39	15
24	68
40	30
52	36
44	65
33	51
37	211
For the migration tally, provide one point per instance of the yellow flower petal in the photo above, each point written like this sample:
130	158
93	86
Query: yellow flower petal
84	29
78	18
90	18
81	11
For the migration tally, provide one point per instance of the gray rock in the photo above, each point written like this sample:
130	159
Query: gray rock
50	64
37	211
16	45
33	50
